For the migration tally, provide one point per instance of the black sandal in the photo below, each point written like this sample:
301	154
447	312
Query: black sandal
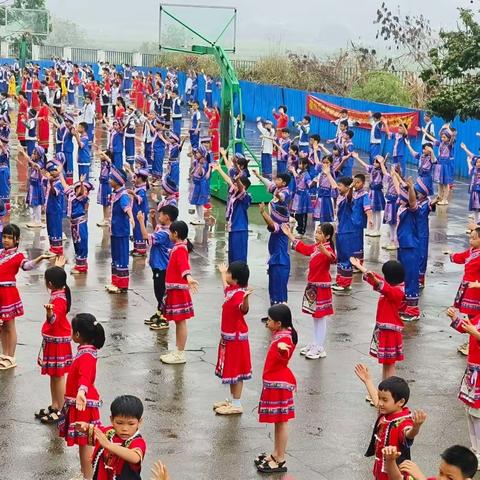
52	418
260	459
266	468
43	412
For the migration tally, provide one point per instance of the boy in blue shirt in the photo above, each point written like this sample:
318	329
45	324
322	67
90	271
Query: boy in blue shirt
84	159
239	200
378	123
160	246
361	214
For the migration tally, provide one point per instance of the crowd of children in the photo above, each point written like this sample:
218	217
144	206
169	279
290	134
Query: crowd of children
146	121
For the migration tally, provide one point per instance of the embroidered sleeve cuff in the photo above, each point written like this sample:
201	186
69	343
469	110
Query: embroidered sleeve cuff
28	265
294	244
83	388
52	319
456	323
186	272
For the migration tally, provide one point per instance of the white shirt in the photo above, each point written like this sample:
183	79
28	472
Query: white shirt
188	84
87	113
267	143
430	128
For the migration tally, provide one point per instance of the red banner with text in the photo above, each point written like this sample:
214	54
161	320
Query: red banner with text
330	111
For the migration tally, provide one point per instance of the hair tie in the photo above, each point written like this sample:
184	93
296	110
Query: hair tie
95	323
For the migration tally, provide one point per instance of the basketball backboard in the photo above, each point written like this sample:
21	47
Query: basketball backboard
16	21
181	26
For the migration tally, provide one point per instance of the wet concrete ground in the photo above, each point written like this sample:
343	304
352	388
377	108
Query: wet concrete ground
333	425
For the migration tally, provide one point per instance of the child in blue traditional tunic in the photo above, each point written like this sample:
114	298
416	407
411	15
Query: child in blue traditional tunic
5	174
199	189
301	204
129	135
140	204
67	148
361	215
174	149
446	172
408	246
169	192
158	147
303	128
426	162
283	145
147	138
278	258
194	130
35	193
84	158
239	200
122	221
54	207
378	123
238	125
115	144
77	197
473	165
398	153
70	92
345	238
104	188
31	134
176	114
391	198
425	206
323	208
346	151
377	199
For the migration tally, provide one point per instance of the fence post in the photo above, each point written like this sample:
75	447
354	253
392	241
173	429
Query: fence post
137	59
100	55
67	53
35	52
4	49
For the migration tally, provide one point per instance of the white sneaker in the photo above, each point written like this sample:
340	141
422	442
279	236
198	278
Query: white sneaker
315	353
34	225
391	246
229	410
223	403
305	349
375	234
174	358
197	221
103	224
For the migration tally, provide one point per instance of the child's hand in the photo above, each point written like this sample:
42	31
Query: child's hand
468	327
419	417
325	168
141	216
152	214
261	206
286	229
216	167
452	313
101	438
81	427
247	293
463	145
362	372
356	263
159	471
412	469
192	284
371	275
222	268
409	182
255	173
222	151
475	284
284	346
81	401
82	178
49	308
60	261
390	453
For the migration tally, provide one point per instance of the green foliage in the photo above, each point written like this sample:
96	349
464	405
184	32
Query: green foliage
382	87
452	81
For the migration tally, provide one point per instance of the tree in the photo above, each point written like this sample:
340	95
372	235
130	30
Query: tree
411	36
66	33
453	80
382	87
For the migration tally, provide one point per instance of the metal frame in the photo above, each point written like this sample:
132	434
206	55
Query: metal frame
24	30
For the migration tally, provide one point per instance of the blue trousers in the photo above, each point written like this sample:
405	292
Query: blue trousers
90	132
281	166
118	160
81	247
208	98
68	165
345	242
278	283
177	126
194	139
175	172
147	152
84	170
30	147
423	255
402	161
55	232
409	258
130	150
237	246
157	164
356	243
119	247
375	149
267	165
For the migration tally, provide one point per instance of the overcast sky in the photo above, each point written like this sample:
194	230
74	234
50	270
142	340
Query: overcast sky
323	25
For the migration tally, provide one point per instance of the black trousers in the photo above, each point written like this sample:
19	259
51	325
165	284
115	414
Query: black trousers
159	287
301	219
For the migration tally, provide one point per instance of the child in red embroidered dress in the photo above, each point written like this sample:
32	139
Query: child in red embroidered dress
234	363
396	425
82	399
119	448
317	299
276	401
469	392
387	339
11	261
55	356
178	283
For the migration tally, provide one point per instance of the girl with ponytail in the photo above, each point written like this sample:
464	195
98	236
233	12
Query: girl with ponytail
55	355
276	401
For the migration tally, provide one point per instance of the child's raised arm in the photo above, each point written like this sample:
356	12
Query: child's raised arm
222	268
364	375
134	455
390	454
418	417
356	156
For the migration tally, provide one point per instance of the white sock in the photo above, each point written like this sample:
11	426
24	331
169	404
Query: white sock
199	209
476	216
320	332
476	429
471	432
37	214
236	402
377	221
393	233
